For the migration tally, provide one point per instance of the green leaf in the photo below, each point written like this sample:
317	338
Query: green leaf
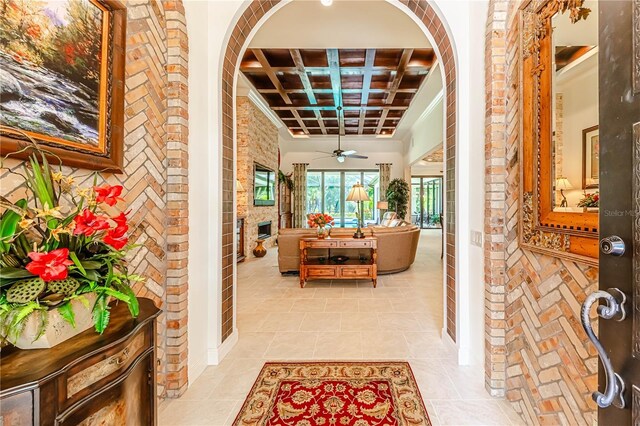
66	311
114	293
92	275
9	273
101	314
134	306
9	224
91	264
77	263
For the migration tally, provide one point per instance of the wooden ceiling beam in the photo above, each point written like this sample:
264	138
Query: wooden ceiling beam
397	79
369	61
302	73
333	59
300	122
383	118
271	74
321	122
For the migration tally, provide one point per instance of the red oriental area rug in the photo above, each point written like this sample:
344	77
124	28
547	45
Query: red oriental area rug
334	393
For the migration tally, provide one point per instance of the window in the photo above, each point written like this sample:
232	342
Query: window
426	201
327	192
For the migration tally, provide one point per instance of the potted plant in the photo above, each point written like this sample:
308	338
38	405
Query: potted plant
398	196
62	258
590	202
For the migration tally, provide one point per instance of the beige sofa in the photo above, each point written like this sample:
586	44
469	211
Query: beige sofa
397	247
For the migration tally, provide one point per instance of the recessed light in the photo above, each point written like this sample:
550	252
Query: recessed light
326	2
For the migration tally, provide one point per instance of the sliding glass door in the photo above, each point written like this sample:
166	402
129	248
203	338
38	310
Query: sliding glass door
327	192
426	201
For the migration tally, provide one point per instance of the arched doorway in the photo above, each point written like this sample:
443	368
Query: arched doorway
427	18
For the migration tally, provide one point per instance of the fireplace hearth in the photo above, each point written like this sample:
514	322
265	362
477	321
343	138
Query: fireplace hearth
264	230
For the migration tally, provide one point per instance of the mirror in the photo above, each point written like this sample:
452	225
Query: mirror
559	128
574	115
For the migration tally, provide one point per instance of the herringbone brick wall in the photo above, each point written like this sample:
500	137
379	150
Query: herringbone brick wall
154	164
551	368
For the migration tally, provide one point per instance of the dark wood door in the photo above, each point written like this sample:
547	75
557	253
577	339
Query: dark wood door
619	87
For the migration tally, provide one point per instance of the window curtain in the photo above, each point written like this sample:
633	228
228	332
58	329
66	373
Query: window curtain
385	178
299	195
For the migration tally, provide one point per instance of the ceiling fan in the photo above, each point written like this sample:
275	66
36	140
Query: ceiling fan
339	154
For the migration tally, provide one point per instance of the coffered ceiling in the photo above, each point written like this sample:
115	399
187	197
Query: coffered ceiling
304	87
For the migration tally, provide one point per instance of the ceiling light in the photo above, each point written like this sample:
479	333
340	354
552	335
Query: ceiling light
326	2
340	159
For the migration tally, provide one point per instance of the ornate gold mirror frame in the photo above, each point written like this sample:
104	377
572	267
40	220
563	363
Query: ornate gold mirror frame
572	235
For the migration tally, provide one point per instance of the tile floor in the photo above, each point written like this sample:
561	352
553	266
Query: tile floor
401	319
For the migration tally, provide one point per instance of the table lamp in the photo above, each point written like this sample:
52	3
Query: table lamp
563	183
358	194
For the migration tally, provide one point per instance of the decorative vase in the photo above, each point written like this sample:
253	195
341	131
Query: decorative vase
322	232
259	251
58	329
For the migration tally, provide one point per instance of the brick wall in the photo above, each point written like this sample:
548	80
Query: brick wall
154	161
257	139
533	300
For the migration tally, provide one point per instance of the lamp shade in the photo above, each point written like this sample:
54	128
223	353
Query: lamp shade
239	186
357	193
563	183
383	205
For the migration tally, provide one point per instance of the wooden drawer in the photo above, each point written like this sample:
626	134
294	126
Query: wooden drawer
355	271
322	272
322	244
355	244
98	370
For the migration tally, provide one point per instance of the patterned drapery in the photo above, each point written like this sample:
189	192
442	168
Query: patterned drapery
385	177
300	195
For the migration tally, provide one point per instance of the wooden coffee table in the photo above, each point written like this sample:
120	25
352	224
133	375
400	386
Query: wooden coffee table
328	269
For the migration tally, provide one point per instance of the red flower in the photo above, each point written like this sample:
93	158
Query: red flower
87	223
121	220
108	194
50	266
117	237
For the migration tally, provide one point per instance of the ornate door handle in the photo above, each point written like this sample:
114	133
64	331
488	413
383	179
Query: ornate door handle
614	308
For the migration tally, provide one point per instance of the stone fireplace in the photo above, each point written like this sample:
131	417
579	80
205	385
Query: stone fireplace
264	230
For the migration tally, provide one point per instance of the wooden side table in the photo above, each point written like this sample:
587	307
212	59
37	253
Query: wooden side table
332	270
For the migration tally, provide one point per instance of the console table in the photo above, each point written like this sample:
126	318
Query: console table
90	379
331	270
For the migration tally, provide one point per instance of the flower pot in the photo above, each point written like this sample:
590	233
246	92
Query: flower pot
259	251
57	330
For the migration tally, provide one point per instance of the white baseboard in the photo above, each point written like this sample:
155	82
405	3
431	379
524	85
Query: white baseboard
216	355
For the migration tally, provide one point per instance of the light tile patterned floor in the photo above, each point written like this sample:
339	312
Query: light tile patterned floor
401	319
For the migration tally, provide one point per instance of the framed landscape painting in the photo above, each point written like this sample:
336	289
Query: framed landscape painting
62	80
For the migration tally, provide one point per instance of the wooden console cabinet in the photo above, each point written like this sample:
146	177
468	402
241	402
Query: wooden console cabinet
328	269
88	380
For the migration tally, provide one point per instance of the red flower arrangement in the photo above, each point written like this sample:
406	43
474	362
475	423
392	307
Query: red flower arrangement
315	220
50	266
68	238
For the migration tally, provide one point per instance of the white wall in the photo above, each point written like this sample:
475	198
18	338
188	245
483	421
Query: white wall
464	19
379	150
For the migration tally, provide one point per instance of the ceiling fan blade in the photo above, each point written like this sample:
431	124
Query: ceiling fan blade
348	153
324	156
362	157
325	152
